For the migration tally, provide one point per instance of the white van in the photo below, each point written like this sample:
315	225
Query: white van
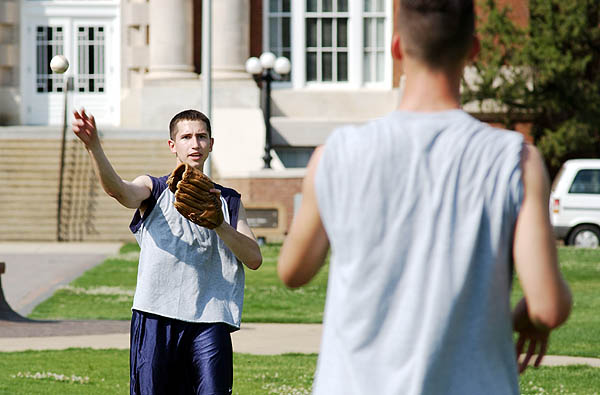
575	203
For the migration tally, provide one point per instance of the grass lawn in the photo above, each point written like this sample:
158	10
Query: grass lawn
266	299
104	292
580	335
86	371
109	288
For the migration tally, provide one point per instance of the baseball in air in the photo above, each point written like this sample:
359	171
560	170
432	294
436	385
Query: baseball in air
59	64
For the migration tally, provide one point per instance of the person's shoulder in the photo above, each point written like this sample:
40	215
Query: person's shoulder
491	128
491	132
532	163
349	132
227	192
162	179
156	184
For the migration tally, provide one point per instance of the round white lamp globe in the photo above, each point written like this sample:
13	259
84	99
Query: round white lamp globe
253	66
282	65
59	64
267	60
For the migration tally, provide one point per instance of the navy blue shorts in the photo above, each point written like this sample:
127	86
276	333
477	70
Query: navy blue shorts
176	357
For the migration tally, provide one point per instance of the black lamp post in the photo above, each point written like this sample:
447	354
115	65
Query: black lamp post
267	68
68	87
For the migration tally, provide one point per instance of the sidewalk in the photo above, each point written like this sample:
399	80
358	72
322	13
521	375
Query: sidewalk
56	264
253	338
34	271
262	339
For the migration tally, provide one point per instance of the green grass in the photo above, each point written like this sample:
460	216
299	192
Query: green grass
96	371
266	299
109	287
574	379
580	335
107	372
104	292
273	374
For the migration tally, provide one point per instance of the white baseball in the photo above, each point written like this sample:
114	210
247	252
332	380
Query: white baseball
59	64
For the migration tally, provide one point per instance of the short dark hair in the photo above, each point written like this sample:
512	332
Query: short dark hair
437	32
188	115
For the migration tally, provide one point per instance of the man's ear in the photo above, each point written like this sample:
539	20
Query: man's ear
212	142
475	48
397	47
172	146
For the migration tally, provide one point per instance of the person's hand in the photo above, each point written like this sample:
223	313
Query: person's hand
531	338
84	127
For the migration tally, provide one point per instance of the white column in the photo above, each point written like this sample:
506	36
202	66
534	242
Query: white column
171	39
231	38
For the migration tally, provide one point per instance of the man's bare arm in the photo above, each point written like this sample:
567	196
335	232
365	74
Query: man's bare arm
241	241
547	300
306	245
129	194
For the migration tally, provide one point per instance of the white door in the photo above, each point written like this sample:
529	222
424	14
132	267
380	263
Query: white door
91	45
92	70
43	91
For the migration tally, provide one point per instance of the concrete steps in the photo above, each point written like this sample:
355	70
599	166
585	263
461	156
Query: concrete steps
29	175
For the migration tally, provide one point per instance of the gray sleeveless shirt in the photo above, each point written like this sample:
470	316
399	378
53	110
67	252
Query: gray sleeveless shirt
420	210
186	272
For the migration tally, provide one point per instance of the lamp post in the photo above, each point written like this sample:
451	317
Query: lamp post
267	68
68	87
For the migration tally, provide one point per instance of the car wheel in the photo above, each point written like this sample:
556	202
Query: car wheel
585	236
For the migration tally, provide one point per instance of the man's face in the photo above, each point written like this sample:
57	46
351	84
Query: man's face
191	144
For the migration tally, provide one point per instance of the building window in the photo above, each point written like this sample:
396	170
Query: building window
294	157
326	40
278	40
329	42
49	42
90	60
374	41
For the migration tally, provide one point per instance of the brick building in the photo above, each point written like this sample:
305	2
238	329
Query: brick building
136	63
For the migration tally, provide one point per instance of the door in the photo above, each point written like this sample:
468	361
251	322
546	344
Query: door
91	71
43	91
91	44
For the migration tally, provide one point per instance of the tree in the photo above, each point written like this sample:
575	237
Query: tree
547	73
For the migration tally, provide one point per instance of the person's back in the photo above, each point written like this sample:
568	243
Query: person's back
425	210
426	274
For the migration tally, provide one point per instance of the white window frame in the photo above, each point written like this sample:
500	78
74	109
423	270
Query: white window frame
355	48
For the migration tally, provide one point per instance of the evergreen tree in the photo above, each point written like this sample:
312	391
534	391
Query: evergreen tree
548	73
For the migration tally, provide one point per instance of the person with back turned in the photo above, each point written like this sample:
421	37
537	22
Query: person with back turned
427	211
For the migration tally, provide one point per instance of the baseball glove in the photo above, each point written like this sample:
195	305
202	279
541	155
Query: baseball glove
193	198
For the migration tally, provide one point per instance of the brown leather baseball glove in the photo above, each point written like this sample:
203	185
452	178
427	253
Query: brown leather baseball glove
193	198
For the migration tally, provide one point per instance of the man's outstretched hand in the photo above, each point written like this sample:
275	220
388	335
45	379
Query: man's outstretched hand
532	340
84	127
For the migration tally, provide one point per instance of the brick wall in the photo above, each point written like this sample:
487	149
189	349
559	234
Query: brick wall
268	192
